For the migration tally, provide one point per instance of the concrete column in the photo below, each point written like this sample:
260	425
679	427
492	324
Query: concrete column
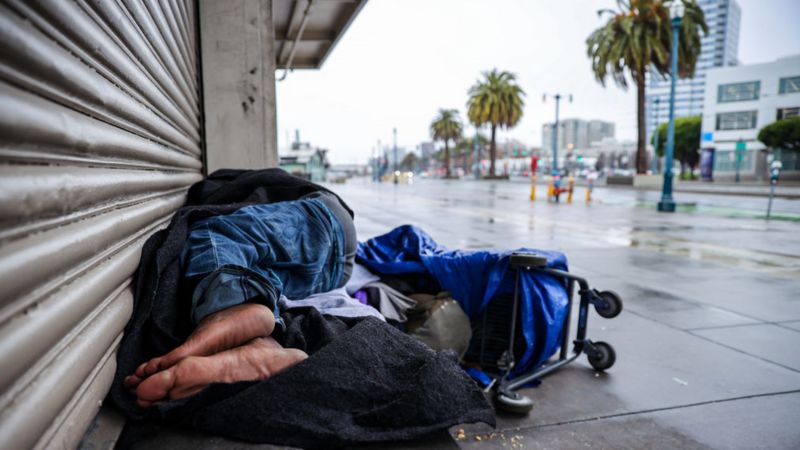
238	65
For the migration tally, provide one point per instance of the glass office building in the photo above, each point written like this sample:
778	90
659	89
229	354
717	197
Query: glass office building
719	49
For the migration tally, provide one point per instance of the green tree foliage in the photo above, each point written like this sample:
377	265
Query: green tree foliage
687	141
446	126
637	39
495	100
784	134
410	162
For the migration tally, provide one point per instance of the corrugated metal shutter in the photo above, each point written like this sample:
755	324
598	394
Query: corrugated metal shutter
99	140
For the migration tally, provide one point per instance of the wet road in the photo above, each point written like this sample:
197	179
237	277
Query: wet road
707	344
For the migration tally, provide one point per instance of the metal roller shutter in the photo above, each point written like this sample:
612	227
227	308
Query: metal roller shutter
99	141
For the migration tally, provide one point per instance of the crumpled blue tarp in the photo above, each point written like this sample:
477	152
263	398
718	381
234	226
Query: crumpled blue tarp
476	277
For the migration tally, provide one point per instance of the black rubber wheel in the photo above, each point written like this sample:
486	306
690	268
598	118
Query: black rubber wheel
613	307
514	402
517	260
604	356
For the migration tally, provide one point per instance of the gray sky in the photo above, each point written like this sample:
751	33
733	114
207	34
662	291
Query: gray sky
402	60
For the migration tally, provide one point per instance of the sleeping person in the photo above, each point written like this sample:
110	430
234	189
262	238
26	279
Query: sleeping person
237	266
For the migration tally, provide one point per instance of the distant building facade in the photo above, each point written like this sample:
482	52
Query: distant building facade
719	48
739	102
575	137
427	149
304	160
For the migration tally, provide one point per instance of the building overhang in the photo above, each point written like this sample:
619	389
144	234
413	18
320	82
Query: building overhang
306	31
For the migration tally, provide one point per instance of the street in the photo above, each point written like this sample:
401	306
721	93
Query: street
707	344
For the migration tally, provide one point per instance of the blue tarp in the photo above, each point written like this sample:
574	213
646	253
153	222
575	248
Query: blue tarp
474	278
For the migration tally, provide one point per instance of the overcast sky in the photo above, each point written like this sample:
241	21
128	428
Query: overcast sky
402	60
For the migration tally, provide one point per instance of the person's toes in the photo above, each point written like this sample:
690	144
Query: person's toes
131	381
148	368
156	387
175	356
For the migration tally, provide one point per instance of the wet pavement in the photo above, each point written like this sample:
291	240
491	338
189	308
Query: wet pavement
707	346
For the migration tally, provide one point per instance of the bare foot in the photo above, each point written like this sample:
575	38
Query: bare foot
220	331
258	359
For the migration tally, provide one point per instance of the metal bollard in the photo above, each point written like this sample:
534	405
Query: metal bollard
570	188
590	180
533	188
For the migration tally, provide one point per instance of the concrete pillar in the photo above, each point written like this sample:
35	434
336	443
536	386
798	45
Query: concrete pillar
238	67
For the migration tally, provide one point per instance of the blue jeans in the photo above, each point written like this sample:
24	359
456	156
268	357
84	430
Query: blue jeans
260	252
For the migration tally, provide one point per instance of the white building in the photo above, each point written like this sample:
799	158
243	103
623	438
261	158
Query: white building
719	48
739	102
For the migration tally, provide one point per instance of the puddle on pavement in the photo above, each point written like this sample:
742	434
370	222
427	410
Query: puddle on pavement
731	213
778	265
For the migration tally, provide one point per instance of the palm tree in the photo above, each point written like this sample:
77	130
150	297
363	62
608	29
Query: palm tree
446	127
496	100
638	37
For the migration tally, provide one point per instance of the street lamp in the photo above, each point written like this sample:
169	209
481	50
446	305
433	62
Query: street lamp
667	204
396	175
477	150
555	132
655	139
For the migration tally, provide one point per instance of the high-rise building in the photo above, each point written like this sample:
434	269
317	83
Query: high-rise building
576	134
719	48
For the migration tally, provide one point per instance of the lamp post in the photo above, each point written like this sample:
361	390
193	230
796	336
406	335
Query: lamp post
476	147
396	175
555	139
376	176
555	131
655	140
667	204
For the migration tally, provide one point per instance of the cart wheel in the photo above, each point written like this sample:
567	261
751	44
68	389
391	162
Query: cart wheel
514	402
517	260
614	305
603	356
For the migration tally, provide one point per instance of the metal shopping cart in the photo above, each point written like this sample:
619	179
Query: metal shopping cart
495	344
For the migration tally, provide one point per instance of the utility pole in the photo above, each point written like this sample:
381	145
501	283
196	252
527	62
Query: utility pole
476	147
667	204
377	175
555	139
396	175
655	140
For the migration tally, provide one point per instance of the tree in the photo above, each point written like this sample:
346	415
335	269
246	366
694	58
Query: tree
638	38
496	100
784	134
446	127
687	141
410	162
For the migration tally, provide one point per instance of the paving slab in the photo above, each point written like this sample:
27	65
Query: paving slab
794	325
670	309
735	424
156	436
657	367
767	341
